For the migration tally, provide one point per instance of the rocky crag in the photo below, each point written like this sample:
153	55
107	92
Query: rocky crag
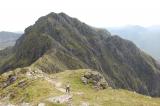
58	42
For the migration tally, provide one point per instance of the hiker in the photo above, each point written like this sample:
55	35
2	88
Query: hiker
68	88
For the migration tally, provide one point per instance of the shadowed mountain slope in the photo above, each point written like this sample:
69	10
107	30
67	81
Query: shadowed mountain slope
143	37
57	42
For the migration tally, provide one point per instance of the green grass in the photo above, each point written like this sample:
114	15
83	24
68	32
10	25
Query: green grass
34	91
107	97
38	90
54	104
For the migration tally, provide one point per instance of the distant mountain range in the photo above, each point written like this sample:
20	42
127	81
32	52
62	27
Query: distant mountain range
58	42
146	38
8	39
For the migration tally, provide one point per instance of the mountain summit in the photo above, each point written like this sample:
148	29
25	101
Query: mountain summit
57	42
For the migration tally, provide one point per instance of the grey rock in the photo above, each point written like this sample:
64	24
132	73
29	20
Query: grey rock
60	99
84	80
94	78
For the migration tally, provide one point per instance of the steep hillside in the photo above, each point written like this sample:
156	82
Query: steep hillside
57	42
27	89
143	37
8	39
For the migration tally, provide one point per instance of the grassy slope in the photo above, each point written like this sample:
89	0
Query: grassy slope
108	97
37	90
58	42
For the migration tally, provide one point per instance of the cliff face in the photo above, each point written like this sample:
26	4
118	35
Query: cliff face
57	42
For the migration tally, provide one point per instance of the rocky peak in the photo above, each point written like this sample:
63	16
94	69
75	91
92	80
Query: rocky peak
58	42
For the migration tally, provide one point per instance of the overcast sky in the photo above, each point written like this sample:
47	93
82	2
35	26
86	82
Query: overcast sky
16	15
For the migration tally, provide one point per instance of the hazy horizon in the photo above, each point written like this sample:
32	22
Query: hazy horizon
18	14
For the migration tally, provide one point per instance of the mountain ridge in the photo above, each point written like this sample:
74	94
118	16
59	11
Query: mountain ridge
57	42
143	37
27	89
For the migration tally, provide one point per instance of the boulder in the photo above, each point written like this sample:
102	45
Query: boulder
41	104
95	78
60	99
11	78
84	104
22	83
84	80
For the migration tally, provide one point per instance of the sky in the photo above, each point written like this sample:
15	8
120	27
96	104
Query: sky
16	15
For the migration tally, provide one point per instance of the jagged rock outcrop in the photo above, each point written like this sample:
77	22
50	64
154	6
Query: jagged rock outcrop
57	42
94	78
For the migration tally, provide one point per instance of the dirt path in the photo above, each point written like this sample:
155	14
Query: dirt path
58	85
65	98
